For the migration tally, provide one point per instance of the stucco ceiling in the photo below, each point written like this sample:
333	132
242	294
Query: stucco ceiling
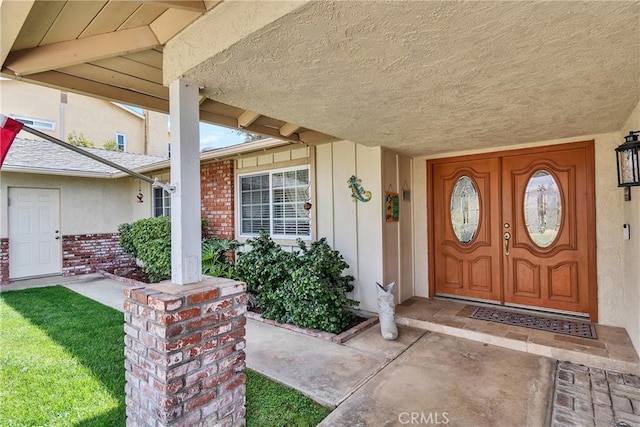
423	77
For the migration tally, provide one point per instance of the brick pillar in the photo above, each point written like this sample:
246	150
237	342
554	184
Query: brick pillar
184	354
4	261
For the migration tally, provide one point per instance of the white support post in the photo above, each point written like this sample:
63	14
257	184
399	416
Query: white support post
186	256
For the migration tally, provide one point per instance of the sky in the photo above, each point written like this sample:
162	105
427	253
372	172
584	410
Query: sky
212	136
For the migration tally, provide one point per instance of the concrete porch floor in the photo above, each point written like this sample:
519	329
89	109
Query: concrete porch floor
612	350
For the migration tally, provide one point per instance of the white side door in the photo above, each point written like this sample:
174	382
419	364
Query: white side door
35	242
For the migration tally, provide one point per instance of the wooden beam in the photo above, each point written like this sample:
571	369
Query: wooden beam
210	4
288	128
217	119
313	137
118	79
247	118
65	54
171	23
13	15
66	82
193	6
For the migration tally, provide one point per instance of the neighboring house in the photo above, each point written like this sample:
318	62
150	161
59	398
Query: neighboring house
60	114
60	210
73	205
498	123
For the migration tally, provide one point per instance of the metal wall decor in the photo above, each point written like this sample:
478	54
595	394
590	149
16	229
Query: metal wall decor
357	192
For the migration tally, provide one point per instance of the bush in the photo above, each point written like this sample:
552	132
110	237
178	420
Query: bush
315	294
152	242
126	239
305	288
264	269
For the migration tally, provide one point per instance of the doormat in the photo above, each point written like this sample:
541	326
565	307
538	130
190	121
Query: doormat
575	328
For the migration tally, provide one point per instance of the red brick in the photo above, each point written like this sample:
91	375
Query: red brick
227	338
220	329
200	349
162	331
233	289
234	312
201	375
236	382
202	322
142	295
216	380
186	314
217	305
214	406
202	296
181	343
198	401
164	302
211	357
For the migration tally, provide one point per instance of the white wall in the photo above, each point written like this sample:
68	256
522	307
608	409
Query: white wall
612	251
631	248
87	205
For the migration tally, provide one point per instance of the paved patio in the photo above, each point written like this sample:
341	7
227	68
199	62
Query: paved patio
426	377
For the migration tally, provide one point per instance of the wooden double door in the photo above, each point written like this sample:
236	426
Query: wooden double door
516	228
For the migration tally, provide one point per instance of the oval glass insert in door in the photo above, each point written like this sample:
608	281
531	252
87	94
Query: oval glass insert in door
465	209
542	208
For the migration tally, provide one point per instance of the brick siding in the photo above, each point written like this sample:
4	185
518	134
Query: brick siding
88	253
217	194
4	261
184	354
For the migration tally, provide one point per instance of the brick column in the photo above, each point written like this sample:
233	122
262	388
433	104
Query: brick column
184	354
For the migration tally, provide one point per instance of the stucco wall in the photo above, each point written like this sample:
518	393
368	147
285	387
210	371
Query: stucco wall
610	215
87	205
97	120
631	248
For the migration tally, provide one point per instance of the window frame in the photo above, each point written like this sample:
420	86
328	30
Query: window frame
124	141
165	200
40	124
270	172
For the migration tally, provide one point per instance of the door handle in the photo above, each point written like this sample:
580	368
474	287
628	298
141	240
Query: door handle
57	237
507	237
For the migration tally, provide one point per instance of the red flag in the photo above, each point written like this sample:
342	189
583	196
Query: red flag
9	128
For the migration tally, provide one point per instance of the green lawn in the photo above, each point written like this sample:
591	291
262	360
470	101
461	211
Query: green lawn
62	364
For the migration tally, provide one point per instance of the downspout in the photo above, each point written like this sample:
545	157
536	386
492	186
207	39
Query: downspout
63	104
145	149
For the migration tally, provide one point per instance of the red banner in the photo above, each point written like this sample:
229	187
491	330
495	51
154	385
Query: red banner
9	128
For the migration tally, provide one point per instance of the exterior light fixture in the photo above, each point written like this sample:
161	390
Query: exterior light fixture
628	164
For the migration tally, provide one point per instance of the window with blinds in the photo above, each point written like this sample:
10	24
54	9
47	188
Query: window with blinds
274	201
161	202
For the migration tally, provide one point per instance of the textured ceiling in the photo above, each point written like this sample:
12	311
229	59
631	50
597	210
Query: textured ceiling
425	77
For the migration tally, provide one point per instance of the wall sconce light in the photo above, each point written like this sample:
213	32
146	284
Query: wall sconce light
628	164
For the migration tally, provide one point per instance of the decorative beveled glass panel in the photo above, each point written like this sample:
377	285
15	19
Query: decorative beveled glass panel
465	209
542	208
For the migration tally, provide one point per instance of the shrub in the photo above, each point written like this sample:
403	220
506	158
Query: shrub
306	288
152	242
315	294
126	239
264	269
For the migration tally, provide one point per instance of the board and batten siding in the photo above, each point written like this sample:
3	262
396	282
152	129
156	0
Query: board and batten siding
376	251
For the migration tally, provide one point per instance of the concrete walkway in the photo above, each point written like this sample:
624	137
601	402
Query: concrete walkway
423	378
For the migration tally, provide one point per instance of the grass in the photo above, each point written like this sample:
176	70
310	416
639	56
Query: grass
62	364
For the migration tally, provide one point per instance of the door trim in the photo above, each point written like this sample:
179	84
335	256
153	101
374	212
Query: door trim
588	146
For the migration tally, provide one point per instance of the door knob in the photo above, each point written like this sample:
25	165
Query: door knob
57	237
507	237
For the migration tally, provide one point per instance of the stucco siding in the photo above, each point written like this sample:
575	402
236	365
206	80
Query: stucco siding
87	205
631	248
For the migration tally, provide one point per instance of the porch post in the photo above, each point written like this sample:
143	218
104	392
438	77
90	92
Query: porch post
184	117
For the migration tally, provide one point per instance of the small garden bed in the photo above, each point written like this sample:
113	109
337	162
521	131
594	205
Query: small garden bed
306	288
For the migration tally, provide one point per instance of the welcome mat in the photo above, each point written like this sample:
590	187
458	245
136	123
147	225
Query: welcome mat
575	328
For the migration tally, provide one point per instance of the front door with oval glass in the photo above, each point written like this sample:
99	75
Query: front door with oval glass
516	228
